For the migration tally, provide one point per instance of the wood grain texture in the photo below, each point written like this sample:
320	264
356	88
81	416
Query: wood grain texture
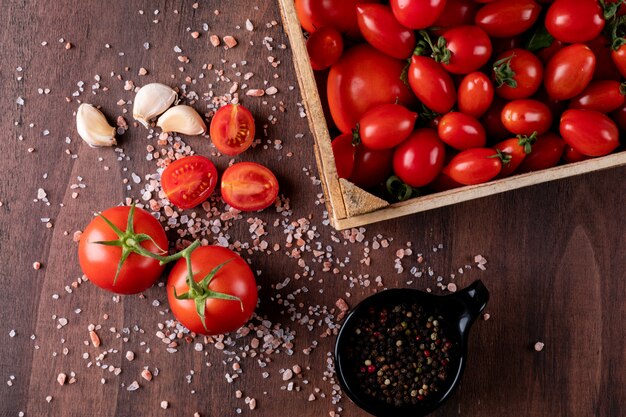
556	268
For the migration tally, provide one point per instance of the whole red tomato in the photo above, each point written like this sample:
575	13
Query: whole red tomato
475	94
603	96
492	121
100	262
344	153
325	47
589	132
546	153
380	29
371	167
605	67
515	150
228	275
469	48
419	159
575	21
417	14
504	18
457	13
525	117
619	59
517	74
432	84
386	126
569	71
362	79
461	131
339	14
474	166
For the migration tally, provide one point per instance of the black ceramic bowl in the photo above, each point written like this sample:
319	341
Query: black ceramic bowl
458	310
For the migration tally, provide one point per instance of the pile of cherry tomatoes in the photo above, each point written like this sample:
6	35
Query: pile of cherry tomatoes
437	94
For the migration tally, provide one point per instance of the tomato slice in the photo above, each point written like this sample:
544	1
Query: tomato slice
189	181
248	186
232	129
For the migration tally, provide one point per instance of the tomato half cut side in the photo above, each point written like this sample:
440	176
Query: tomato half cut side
232	129
248	186
189	181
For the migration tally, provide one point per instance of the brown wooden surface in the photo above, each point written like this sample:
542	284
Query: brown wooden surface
556	251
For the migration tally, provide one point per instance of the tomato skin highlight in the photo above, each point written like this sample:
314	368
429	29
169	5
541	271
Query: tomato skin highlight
380	29
189	181
234	278
461	131
603	96
474	166
386	126
546	153
528	74
475	94
339	14
353	88
589	132
432	84
569	71
574	21
248	186
417	14
419	159
344	152
505	18
232	129
99	262
371	167
525	117
325	47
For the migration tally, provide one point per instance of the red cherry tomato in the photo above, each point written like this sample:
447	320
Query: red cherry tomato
571	155
589	132
605	67
339	14
371	167
234	278
492	121
525	117
232	129
419	159
515	150
432	84
546	153
575	21
619	59
603	96
189	181
386	126
470	49
474	166
461	131
504	18
569	71
475	94
417	14
362	79
517	74
248	186
99	262
344	152
325	47
457	13
380	29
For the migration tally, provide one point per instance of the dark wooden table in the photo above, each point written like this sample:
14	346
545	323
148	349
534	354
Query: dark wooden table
555	251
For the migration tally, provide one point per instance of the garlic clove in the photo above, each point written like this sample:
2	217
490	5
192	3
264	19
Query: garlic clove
182	119
152	100
93	127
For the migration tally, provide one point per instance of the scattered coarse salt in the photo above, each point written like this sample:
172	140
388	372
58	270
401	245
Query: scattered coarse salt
539	346
95	339
36	265
12	333
252	404
486	316
130	356
230	41
215	40
134	386
452	287
287	375
61	378
164	405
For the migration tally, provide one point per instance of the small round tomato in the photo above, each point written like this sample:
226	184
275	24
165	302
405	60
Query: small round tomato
339	14
492	121
232	129
227	301
380	29
525	117
515	151
605	67
504	18
546	153
474	166
457	13
571	155
419	159
475	94
461	131
574	21
589	132
386	126
417	14
432	84
619	59
344	152
248	186
189	181
517	74
371	167
569	71
325	47
469	48
100	262
603	96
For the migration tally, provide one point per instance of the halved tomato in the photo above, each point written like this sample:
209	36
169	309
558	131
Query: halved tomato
248	186
189	181
232	129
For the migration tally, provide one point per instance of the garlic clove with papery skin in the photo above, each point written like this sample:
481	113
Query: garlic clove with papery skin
93	127
182	119
152	100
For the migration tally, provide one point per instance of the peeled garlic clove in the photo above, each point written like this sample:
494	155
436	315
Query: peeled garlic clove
152	100
182	119
93	126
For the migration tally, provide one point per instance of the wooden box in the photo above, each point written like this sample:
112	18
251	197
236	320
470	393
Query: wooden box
350	206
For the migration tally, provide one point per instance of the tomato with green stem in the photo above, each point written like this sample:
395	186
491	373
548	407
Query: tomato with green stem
118	250
385	126
475	94
380	29
569	71
546	153
432	84
232	129
419	159
475	166
515	150
461	131
589	132
212	291
517	74
525	117
248	186
505	18
189	181
325	47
